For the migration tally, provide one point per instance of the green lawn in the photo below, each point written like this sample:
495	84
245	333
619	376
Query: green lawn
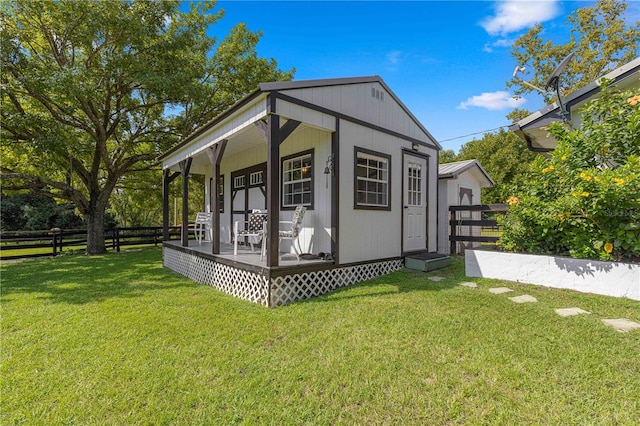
117	339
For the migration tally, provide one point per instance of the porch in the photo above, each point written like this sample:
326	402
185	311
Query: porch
245	257
246	276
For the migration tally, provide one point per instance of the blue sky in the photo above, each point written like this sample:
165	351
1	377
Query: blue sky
448	61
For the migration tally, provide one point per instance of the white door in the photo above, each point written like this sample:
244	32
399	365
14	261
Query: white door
414	203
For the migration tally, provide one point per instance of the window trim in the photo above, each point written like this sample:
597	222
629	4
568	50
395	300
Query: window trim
356	205
313	173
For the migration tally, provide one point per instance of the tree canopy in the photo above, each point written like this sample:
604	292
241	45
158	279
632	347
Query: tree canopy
600	38
502	154
86	87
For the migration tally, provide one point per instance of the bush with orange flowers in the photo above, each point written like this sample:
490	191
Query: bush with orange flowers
584	201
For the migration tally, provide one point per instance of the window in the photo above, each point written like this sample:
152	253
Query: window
297	180
255	178
414	185
372	180
238	182
220	192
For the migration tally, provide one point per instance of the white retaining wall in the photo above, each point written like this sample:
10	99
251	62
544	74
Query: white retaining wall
587	276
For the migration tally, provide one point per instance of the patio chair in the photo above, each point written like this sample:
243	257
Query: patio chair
202	225
293	231
254	229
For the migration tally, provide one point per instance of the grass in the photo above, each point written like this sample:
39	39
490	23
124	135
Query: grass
117	339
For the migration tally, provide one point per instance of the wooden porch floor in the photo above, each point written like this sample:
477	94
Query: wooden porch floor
245	256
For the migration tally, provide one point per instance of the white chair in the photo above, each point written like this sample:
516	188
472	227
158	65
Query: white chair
254	229
293	229
202	225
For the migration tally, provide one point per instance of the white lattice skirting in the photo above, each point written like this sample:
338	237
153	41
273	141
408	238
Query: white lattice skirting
305	285
284	289
237	282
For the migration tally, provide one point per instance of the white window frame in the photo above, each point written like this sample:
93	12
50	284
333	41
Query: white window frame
375	173
297	171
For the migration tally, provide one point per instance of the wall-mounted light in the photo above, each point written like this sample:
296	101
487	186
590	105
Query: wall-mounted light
415	147
328	170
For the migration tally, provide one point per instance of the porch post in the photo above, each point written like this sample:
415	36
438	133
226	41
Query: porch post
165	205
335	193
166	182
273	183
185	166
215	157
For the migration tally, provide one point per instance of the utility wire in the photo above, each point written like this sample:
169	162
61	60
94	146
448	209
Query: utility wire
472	134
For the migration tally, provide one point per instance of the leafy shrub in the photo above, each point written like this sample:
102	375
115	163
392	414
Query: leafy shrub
30	212
584	201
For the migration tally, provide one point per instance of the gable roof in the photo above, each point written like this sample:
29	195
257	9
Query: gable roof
274	86
532	128
266	88
456	168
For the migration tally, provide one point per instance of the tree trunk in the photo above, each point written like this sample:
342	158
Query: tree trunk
95	231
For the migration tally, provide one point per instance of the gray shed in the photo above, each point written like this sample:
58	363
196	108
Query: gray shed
459	183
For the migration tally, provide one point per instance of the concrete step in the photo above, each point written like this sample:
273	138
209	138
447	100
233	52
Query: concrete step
426	262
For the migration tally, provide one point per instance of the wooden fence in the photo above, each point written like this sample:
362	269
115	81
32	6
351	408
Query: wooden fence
22	244
475	224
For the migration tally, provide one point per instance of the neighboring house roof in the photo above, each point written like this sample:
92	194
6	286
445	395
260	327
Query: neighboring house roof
455	169
265	88
533	127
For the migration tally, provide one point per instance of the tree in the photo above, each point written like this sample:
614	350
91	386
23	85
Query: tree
600	39
447	156
137	199
231	72
504	156
86	85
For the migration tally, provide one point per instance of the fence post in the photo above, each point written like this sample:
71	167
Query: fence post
54	241
117	238
452	238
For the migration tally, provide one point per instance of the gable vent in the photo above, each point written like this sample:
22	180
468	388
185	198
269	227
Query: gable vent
377	94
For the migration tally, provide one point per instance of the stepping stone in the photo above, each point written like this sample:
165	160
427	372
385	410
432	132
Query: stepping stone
469	284
499	290
525	298
621	324
568	312
436	278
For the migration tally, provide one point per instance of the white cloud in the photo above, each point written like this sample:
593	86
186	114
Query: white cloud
503	42
393	57
493	101
515	15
